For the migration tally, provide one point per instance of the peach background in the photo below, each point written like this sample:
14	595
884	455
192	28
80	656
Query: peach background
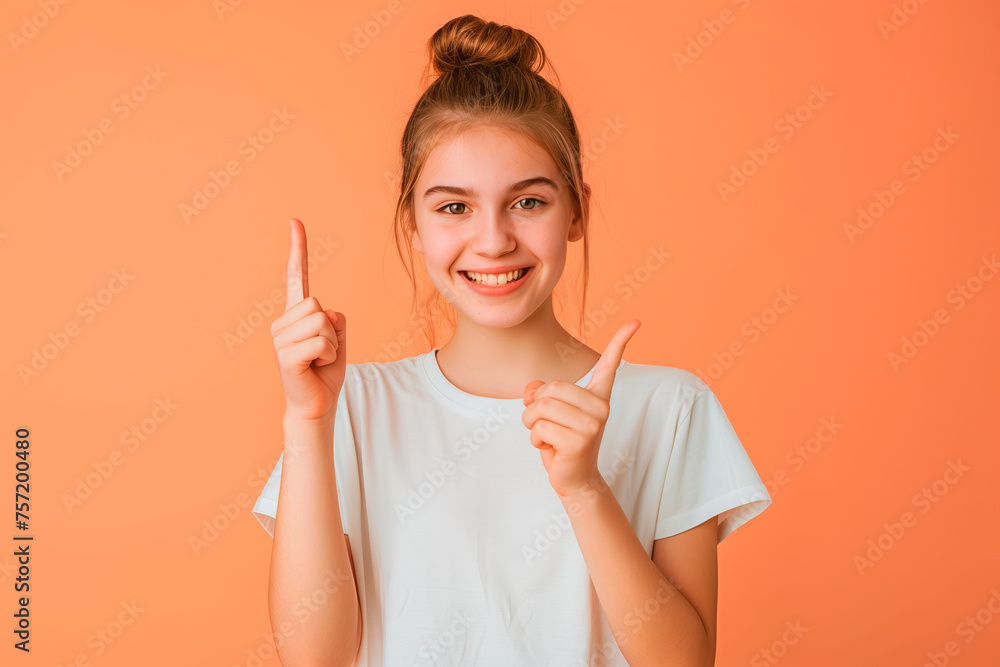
656	184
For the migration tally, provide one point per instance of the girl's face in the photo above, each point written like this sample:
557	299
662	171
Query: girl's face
491	200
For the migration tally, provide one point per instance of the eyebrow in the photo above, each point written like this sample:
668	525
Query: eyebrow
471	192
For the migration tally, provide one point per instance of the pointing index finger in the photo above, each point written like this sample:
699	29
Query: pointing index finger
604	373
297	277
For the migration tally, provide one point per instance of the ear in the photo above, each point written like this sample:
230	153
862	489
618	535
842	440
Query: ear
415	242
576	226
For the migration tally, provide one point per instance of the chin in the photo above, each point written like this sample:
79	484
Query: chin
496	319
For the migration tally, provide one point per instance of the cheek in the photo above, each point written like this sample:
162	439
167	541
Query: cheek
550	250
441	251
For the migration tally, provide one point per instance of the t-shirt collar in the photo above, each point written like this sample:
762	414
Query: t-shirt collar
436	378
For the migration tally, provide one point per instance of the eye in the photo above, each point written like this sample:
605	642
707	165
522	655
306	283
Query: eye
452	204
539	203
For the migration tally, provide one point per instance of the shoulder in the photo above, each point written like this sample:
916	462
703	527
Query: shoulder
384	385
660	383
373	389
382	373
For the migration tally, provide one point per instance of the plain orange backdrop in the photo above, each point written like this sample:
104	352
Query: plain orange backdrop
672	100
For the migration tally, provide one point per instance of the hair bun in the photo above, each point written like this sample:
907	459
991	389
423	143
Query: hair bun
469	40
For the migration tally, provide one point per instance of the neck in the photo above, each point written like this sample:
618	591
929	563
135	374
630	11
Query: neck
500	361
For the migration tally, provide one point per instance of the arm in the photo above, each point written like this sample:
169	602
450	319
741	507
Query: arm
309	555
652	622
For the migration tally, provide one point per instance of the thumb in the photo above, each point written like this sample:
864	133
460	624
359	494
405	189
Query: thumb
339	323
340	326
604	372
529	391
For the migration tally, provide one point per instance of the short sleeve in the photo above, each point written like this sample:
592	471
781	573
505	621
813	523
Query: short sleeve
345	467
266	507
708	474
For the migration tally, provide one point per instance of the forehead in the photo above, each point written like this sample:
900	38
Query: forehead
489	151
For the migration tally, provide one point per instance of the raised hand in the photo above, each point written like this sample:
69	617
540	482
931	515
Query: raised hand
310	342
567	420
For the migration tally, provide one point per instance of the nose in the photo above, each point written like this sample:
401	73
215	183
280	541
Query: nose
492	234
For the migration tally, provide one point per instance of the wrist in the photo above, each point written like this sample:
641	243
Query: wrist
304	433
296	419
596	486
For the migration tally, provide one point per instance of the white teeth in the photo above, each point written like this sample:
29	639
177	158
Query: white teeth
495	279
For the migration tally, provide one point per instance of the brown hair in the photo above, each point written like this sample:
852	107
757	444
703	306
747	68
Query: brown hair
488	74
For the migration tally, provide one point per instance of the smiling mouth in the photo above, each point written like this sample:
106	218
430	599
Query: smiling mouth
502	279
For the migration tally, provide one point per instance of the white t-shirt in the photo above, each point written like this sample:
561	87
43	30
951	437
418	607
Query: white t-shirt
463	552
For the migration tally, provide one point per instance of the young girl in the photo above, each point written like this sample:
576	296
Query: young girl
499	503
